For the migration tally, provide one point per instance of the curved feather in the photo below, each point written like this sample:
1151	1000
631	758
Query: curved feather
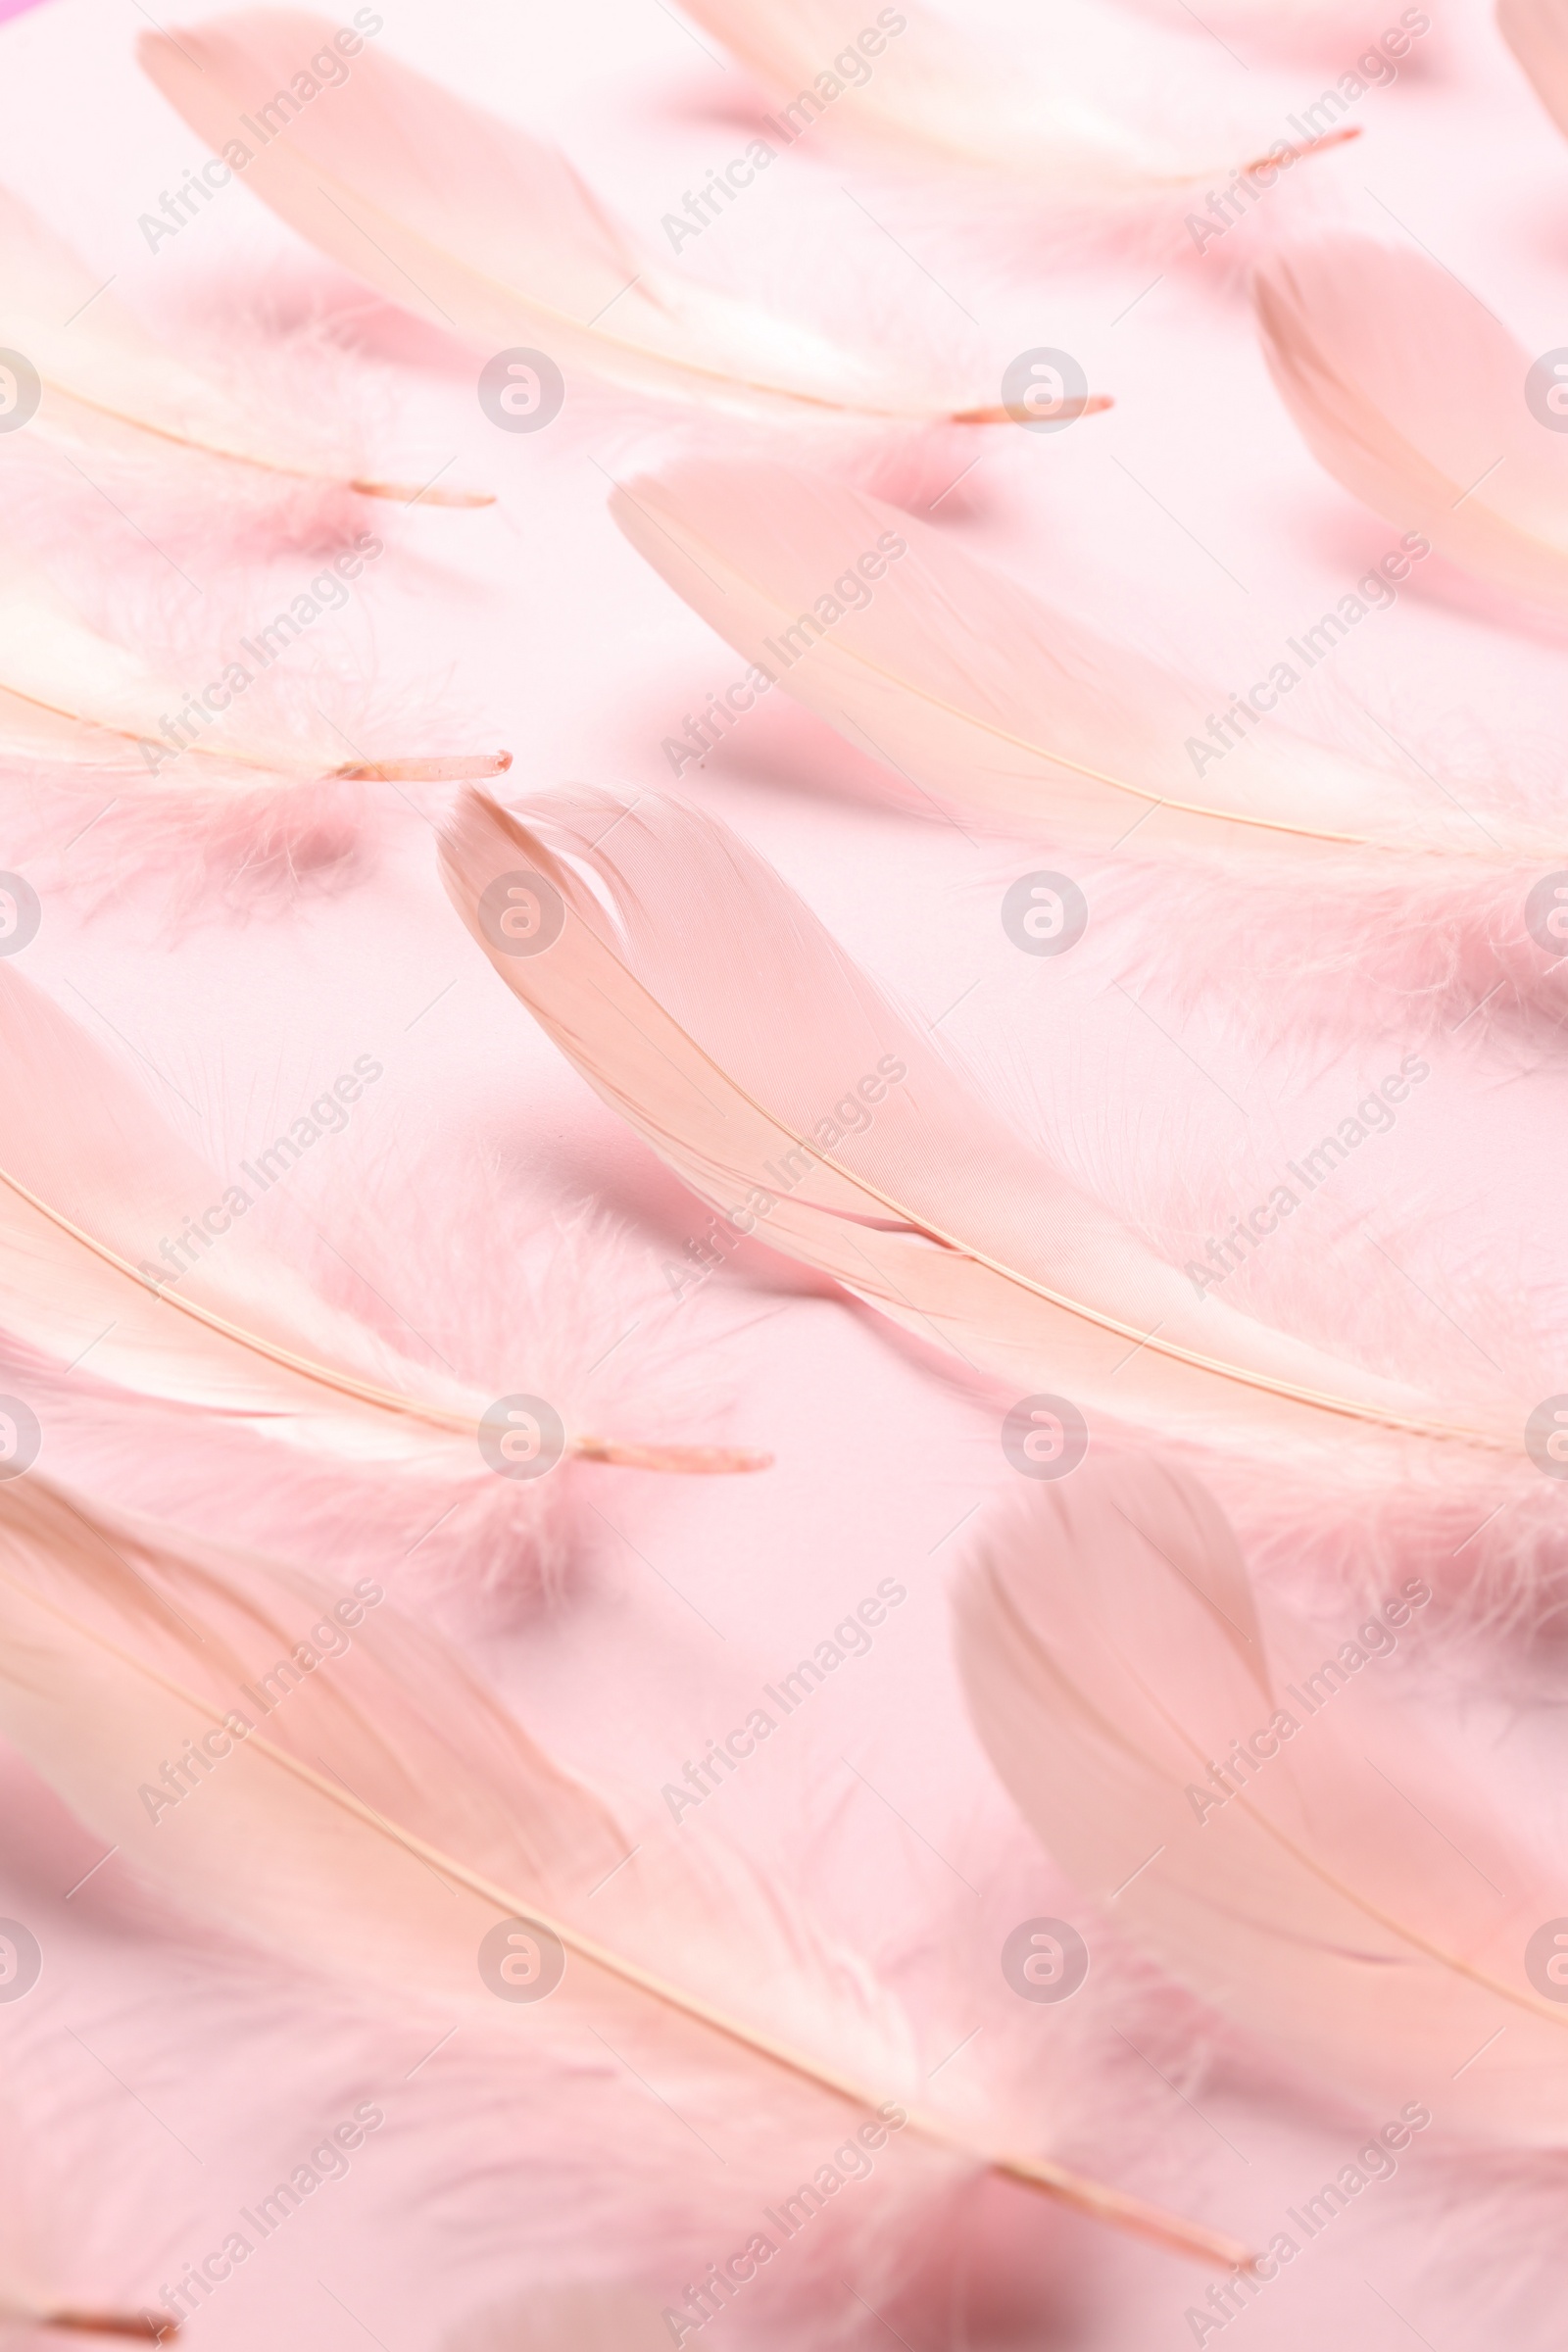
316	1829
707	1006
1349	1898
486	233
109	1260
985	698
1412	394
1537	32
936	90
103	374
68	696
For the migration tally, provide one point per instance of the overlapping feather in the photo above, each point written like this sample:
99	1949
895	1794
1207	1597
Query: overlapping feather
375	1816
483	231
990	701
74	699
926	89
704	1001
1411	392
118	1255
1339	1889
105	383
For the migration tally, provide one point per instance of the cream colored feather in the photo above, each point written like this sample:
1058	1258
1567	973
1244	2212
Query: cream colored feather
1278	1836
105	380
707	1004
93	1186
376	1816
482	231
74	699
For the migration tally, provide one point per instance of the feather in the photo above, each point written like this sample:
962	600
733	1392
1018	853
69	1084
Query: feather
1537	32
1415	396
319	1816
93	1185
485	232
103	377
986	698
706	1004
72	699
938	93
1112	1648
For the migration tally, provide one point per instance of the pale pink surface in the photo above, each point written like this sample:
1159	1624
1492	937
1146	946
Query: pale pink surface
1191	519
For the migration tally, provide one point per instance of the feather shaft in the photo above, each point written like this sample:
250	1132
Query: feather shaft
643	1027
1093	2198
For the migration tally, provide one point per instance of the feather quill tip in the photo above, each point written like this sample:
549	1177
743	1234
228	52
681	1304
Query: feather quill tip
690	1461
1160	2228
406	496
147	2328
1277	156
468	769
1090	404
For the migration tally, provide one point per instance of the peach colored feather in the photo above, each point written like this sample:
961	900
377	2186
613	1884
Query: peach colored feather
1412	393
103	378
98	1204
1537	32
1349	1895
72	699
707	1004
988	700
319	1822
933	91
483	231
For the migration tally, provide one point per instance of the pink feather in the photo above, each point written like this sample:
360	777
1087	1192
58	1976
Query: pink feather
1411	392
1339	1889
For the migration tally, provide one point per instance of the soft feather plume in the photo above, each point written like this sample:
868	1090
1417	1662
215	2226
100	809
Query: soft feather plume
107	383
1348	1896
1537	32
111	1261
312	1822
935	93
485	232
72	701
988	701
707	1004
1414	395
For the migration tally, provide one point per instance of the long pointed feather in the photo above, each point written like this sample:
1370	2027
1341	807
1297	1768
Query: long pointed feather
1345	1894
484	232
709	1006
320	1831
68	695
1414	395
102	373
935	90
93	1187
986	698
1537	32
